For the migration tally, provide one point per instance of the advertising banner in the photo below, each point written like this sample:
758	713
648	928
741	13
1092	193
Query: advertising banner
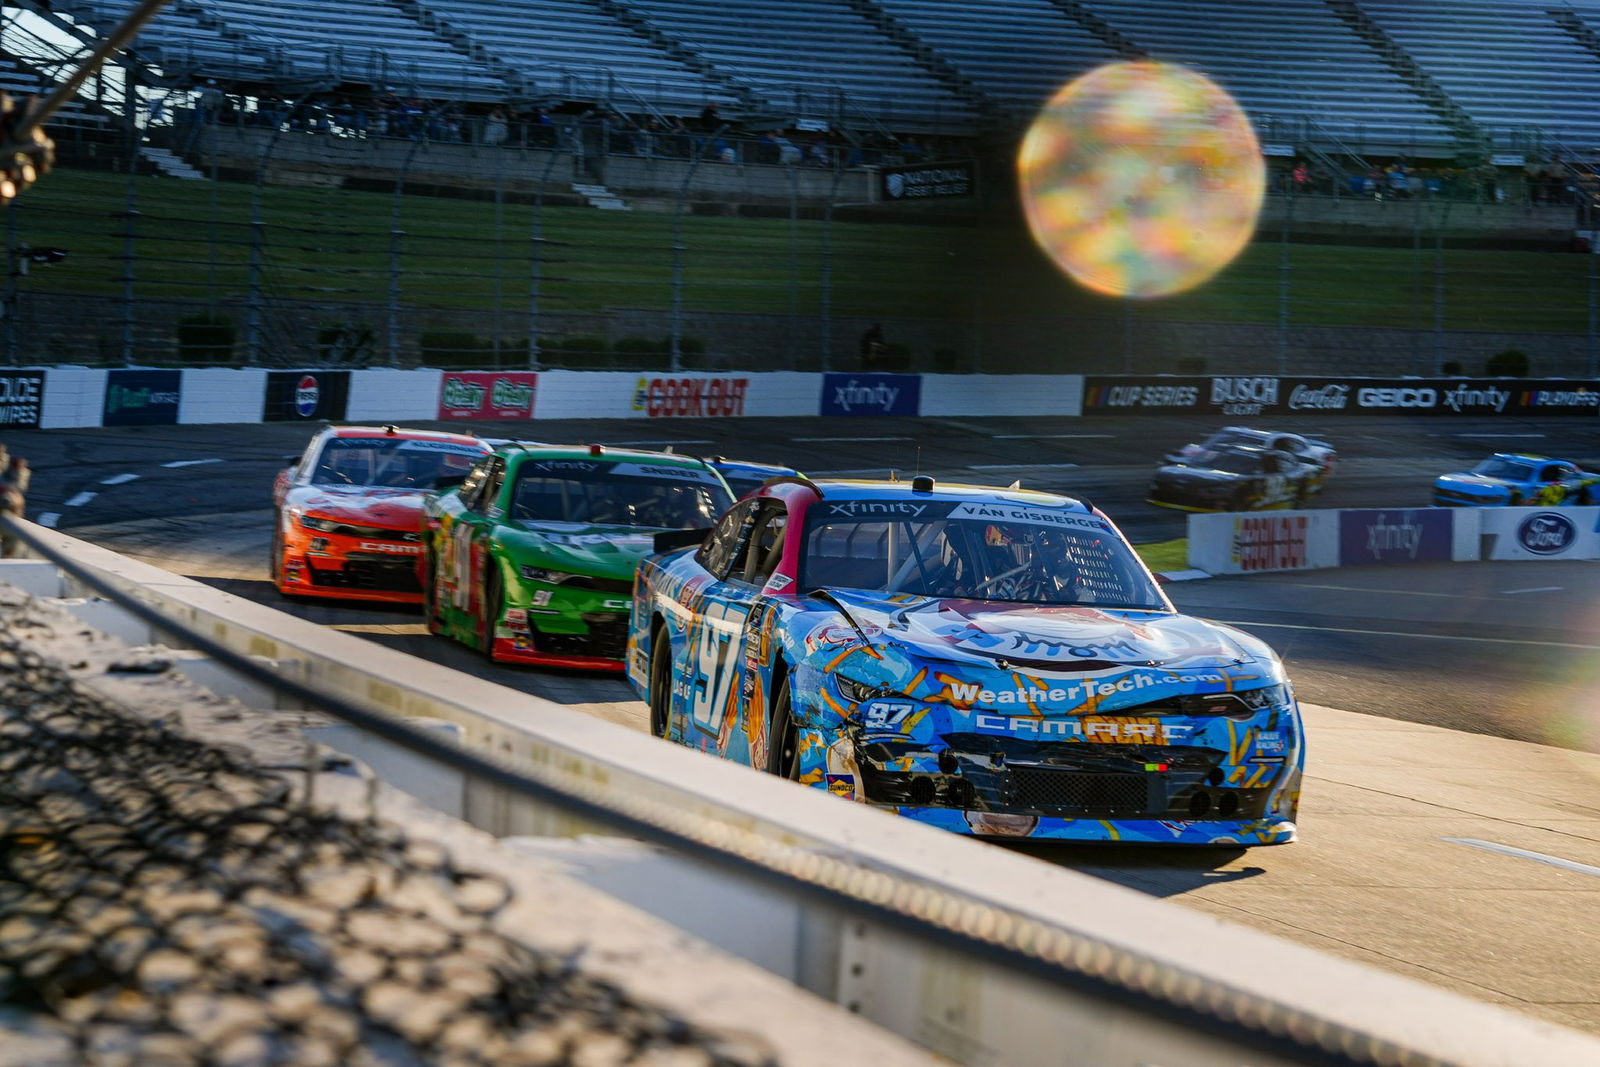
1541	533
684	397
1251	395
1252	543
142	397
299	396
929	180
1396	535
21	397
871	394
487	394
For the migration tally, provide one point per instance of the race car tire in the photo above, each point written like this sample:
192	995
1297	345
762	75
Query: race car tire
783	738
1514	500
660	681
494	606
430	593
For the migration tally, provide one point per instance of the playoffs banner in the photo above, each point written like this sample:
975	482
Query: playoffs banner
142	397
21	397
487	394
299	396
1274	395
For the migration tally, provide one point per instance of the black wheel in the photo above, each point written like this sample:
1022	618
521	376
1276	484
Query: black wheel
1514	500
783	739
1302	495
430	592
494	606
660	681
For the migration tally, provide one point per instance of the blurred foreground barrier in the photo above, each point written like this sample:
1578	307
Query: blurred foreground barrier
978	953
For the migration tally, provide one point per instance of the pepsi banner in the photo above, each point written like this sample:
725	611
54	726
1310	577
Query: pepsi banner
871	394
142	398
305	395
1250	395
1395	535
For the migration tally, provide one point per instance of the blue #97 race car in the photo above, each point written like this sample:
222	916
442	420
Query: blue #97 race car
991	661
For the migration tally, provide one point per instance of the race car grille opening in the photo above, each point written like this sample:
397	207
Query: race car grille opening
381	574
1047	790
607	637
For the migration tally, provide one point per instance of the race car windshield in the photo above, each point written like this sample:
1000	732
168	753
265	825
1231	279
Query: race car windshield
1234	463
973	556
1230	437
601	497
1510	470
394	462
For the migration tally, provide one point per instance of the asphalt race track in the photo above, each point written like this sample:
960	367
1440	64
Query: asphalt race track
1464	859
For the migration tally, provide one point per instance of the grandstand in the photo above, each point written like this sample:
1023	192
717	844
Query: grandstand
1371	77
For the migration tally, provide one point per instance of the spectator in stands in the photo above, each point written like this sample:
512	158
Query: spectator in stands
872	346
820	151
709	119
496	126
1397	178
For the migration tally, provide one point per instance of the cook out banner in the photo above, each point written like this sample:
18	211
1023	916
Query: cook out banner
1275	395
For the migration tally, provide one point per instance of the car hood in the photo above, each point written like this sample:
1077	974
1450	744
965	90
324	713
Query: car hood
1040	638
1467	480
361	504
1183	472
581	548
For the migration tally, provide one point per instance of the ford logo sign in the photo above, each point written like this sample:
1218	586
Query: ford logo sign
1547	533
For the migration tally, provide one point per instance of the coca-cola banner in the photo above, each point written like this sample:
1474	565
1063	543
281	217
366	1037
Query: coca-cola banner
1248	395
487	394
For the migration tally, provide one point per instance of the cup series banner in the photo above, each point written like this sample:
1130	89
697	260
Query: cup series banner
1273	395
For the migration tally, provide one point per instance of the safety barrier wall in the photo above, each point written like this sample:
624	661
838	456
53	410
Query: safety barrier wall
79	396
1253	542
1150	982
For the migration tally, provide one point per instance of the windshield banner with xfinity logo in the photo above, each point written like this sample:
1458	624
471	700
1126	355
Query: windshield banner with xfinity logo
1250	395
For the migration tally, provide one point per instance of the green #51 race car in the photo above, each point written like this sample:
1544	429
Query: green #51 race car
531	559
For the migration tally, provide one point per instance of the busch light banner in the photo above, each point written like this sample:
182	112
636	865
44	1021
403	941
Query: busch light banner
1251	395
487	394
1395	535
871	394
304	395
142	397
21	397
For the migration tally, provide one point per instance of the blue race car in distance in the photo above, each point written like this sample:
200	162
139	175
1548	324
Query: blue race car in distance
991	661
1510	479
743	476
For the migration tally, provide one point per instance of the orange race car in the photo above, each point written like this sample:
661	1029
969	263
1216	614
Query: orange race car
349	509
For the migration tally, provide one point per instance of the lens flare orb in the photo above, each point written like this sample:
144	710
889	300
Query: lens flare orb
1141	179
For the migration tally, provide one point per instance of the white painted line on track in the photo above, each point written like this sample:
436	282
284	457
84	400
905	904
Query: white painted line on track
1385	592
1522	853
1535	589
1052	436
1023	467
1506	436
119	479
50	518
1399	633
847	439
81	499
190	462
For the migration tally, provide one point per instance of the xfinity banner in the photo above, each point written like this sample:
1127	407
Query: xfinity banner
303	395
1396	535
1251	395
21	395
142	397
871	394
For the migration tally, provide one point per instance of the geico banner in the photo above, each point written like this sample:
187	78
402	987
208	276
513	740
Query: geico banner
1252	543
1541	533
1245	395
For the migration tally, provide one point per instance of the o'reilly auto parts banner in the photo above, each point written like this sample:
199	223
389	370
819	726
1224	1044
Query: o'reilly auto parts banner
871	394
301	395
21	397
487	394
1248	395
142	397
